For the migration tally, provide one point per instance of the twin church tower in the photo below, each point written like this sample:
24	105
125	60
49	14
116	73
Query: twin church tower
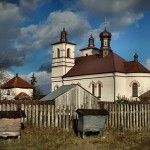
64	54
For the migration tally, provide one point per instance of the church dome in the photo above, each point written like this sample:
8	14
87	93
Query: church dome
63	35
105	34
91	41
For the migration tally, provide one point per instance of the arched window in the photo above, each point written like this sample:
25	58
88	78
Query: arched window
99	90
58	53
93	89
135	90
68	52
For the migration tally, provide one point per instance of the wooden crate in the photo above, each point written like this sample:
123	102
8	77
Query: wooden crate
10	123
91	120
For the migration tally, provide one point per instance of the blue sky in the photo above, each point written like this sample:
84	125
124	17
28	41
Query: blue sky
29	27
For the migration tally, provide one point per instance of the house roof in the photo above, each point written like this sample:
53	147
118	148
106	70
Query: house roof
145	96
94	64
22	96
61	90
16	82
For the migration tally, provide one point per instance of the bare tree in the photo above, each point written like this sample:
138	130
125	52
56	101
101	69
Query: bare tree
4	77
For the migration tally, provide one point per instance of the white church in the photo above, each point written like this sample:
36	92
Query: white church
100	71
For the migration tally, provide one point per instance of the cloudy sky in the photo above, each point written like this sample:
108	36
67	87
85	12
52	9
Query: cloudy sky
29	27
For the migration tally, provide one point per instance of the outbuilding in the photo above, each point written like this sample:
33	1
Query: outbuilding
72	94
14	88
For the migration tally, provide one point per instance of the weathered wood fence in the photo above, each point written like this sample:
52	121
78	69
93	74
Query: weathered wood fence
135	117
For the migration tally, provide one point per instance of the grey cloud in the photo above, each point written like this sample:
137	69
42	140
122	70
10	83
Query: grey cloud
11	57
115	7
32	4
29	3
45	67
121	13
42	35
10	18
22	40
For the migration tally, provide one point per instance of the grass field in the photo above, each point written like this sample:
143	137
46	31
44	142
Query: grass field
57	139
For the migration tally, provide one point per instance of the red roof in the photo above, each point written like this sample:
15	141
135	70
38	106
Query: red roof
22	96
135	67
17	82
94	64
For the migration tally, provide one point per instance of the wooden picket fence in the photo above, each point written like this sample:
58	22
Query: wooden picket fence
135	117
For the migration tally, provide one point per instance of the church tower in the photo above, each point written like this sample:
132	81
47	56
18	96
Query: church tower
91	49
63	59
105	38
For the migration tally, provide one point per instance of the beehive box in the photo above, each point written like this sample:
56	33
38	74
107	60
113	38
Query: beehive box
91	120
10	123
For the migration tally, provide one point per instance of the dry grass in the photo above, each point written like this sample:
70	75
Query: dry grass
57	139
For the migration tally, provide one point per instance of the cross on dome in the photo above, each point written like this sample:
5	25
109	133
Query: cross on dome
105	22
64	24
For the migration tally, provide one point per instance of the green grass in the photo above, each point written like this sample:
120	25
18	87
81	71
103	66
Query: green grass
57	139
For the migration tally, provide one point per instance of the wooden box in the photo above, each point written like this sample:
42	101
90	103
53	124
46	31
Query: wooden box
91	120
10	123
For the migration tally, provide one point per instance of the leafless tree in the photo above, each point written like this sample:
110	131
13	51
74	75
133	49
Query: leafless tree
4	77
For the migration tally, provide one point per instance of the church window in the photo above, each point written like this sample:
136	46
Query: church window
93	89
135	90
68	52
58	53
99	90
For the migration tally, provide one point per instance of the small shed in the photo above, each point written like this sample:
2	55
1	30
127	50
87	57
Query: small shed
145	97
72	94
10	123
91	120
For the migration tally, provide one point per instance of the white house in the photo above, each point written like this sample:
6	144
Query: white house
16	88
99	70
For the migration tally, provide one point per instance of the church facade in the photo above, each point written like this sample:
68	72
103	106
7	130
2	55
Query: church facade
100	71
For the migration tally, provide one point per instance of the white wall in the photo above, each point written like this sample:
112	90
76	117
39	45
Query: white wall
89	51
14	92
60	66
112	84
124	83
107	81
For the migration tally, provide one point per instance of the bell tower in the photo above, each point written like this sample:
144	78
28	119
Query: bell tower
105	38
63	59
